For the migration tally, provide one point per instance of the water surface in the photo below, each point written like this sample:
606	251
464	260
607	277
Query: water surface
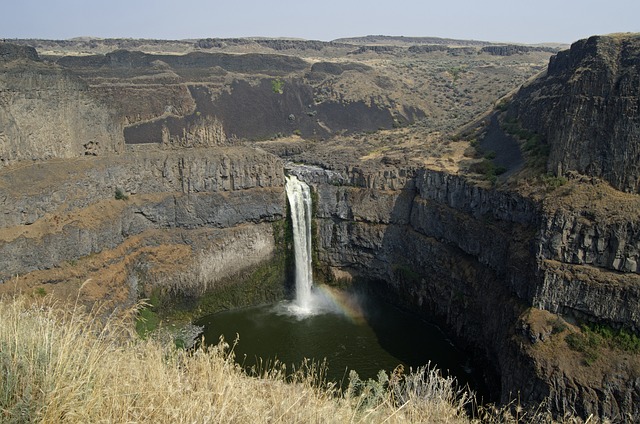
351	332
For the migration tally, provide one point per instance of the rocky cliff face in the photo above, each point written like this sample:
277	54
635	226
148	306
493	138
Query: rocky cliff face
482	262
586	107
183	220
511	49
588	247
443	247
10	52
46	113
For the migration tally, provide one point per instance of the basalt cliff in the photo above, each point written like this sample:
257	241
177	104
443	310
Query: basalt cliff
126	173
586	107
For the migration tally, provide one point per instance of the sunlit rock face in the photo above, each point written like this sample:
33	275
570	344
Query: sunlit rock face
586	107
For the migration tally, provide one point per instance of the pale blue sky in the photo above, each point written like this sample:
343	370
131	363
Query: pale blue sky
491	20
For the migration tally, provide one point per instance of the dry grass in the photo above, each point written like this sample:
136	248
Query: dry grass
59	363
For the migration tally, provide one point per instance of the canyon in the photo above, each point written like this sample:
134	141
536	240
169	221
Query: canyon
129	171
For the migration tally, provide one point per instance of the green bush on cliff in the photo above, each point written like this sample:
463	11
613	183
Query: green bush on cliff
592	338
502	105
488	169
535	148
551	182
277	86
120	195
617	339
586	342
147	322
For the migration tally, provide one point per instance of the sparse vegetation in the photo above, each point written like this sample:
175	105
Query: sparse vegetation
490	155
617	339
120	195
147	320
592	338
586	342
264	283
277	85
488	169
558	325
456	71
535	148
502	105
551	182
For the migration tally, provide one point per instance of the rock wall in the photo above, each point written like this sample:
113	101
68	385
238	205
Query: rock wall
478	260
213	257
586	107
30	192
72	211
577	239
46	113
511	49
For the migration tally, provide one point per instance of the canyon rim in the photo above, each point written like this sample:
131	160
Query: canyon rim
493	188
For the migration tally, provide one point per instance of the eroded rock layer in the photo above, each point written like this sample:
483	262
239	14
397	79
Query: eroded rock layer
480	260
182	220
587	107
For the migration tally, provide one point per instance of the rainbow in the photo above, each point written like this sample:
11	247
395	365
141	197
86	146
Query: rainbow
341	301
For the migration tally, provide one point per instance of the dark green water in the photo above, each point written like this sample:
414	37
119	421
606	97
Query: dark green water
367	336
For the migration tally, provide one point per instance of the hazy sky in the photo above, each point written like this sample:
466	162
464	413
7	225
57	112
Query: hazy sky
491	20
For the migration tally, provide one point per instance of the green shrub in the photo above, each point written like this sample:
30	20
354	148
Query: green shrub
593	337
456	71
627	342
277	86
587	342
536	148
488	169
490	155
147	321
502	105
618	339
120	194
558	325
500	170
552	182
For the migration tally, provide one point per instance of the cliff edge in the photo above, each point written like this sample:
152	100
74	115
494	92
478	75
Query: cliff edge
587	108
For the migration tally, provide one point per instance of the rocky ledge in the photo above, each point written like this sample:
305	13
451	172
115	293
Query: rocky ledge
182	221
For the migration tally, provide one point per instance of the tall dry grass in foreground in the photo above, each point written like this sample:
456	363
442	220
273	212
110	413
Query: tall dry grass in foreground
59	364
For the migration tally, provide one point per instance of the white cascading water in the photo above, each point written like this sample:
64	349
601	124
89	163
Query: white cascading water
299	197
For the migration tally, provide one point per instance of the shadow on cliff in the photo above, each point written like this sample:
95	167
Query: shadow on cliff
257	112
503	147
416	274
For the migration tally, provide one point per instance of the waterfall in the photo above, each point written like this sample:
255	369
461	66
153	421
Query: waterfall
300	202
